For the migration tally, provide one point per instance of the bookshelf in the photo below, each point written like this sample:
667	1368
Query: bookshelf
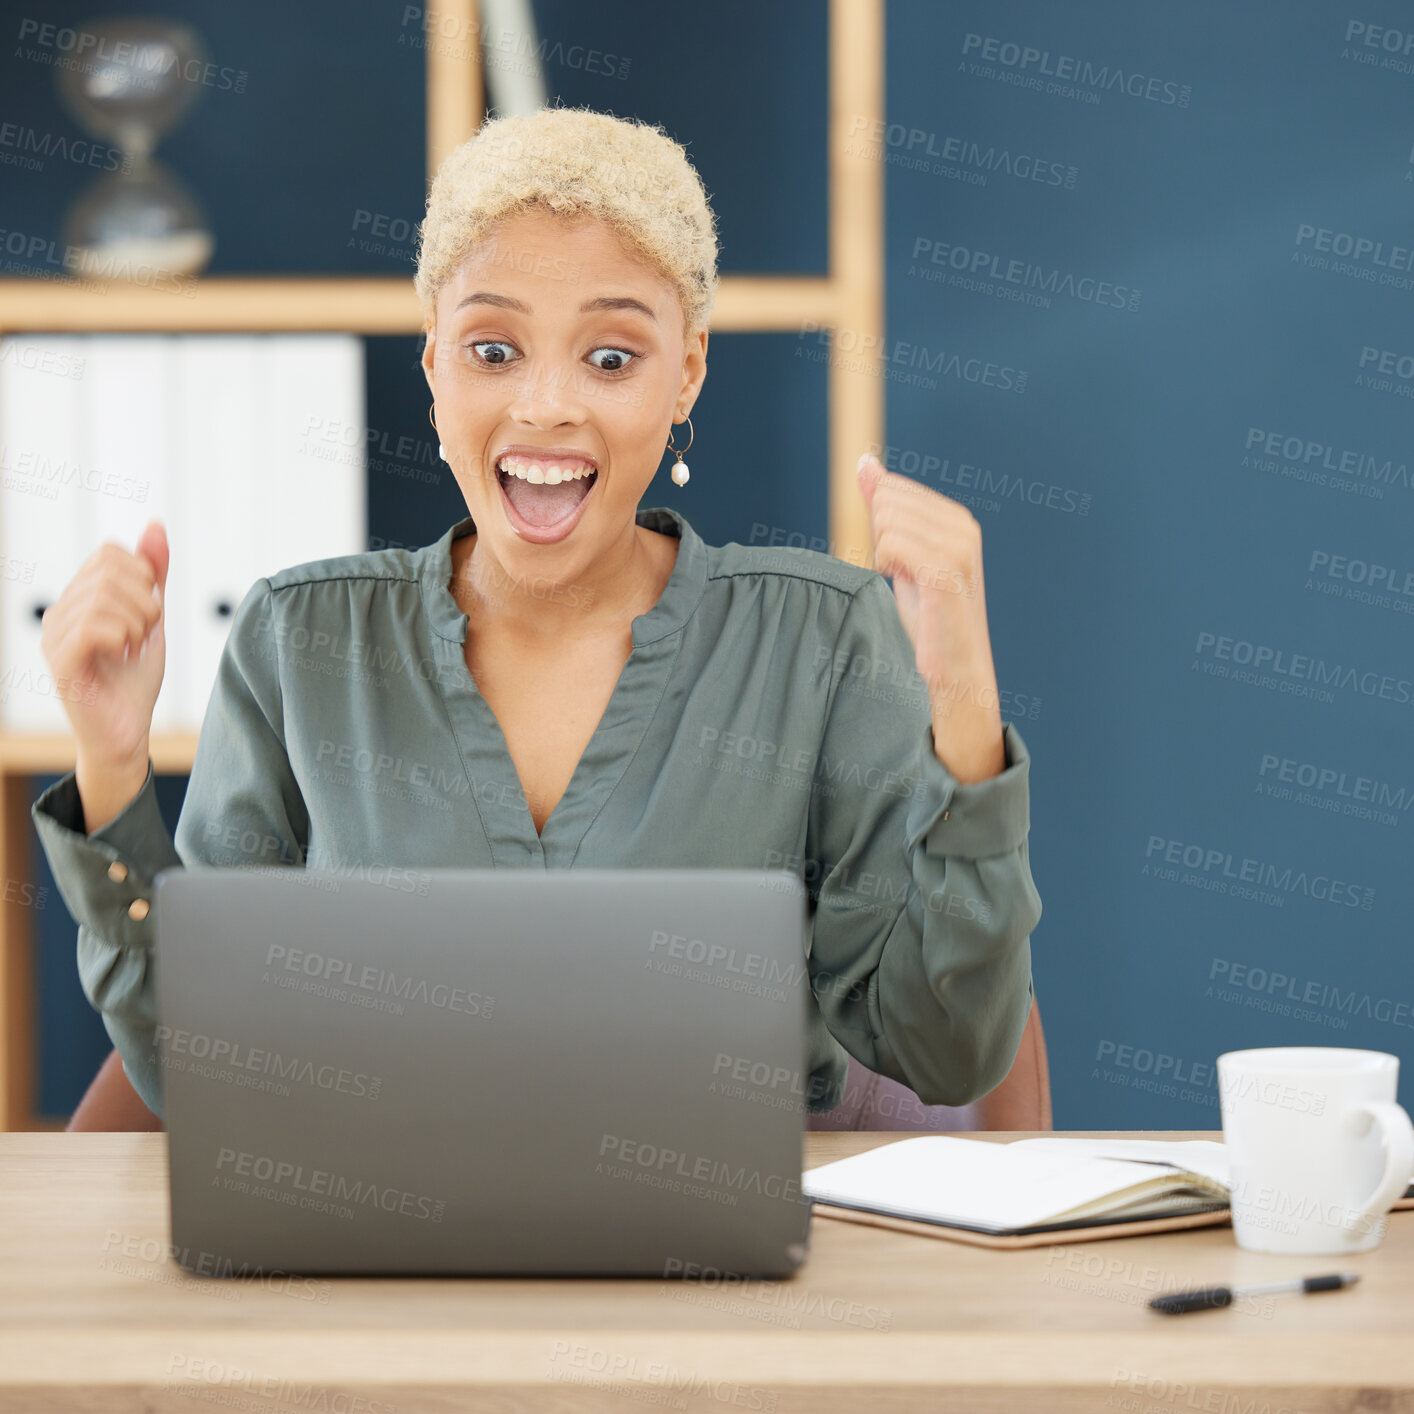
850	297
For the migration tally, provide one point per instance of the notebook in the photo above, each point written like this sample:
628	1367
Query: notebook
1029	1191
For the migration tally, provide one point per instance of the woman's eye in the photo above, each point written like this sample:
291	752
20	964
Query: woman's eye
492	344
621	355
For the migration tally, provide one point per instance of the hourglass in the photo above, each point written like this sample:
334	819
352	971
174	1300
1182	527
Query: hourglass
130	88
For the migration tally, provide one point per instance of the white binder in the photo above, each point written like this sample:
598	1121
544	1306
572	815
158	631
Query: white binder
220	436
41	528
260	497
221	538
129	442
316	422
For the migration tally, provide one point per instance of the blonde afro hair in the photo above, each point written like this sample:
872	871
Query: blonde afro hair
575	162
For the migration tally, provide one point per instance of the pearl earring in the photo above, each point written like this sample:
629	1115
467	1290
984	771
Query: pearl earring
679	472
441	450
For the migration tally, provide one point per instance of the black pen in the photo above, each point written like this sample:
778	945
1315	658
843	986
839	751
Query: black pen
1208	1297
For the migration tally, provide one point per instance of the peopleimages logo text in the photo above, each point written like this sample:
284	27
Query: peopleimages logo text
1049	280
1362	249
1328	780
909	146
1311	992
701	1168
1306	452
323	1182
1222	865
1264	658
1110	78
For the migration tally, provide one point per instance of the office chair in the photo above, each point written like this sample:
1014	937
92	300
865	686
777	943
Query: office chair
1021	1101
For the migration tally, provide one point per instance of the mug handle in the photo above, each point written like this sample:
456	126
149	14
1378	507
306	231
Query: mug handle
1398	1135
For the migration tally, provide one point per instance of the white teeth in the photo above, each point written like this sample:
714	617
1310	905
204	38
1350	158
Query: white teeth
549	473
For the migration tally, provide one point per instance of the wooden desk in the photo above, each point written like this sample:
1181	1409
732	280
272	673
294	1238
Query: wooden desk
95	1316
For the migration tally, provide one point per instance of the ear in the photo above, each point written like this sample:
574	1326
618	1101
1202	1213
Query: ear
429	353
694	371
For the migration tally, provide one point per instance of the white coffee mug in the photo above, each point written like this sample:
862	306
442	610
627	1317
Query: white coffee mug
1317	1147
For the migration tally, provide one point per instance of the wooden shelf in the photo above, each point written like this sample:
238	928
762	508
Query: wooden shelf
52	753
783	303
370	305
250	304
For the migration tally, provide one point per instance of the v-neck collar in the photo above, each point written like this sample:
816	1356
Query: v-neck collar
675	605
495	786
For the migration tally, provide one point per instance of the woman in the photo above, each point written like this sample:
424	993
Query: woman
566	680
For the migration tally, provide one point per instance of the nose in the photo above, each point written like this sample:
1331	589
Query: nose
548	395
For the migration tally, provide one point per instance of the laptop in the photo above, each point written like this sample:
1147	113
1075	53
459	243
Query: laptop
474	1072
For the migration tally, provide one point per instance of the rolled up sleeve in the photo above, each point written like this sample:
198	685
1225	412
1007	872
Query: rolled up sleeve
241	788
920	950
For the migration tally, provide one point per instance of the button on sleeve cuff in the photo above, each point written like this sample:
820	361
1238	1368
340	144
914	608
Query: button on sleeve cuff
974	820
106	878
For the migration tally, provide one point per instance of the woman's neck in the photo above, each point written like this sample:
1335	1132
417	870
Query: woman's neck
531	608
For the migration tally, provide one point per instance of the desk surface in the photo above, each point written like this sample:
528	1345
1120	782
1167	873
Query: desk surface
95	1315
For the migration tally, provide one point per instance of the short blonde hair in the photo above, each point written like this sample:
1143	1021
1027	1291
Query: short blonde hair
575	162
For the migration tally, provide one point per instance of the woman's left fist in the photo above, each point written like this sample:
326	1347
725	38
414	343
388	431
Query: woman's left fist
931	547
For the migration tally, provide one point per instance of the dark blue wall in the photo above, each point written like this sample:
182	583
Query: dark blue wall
1140	539
1134	521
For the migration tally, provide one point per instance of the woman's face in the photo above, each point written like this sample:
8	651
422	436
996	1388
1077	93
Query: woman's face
557	364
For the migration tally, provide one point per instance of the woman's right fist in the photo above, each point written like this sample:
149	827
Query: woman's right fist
105	644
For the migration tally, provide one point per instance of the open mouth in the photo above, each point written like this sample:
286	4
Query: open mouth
545	490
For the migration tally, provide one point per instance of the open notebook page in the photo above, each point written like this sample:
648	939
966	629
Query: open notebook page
997	1187
1202	1156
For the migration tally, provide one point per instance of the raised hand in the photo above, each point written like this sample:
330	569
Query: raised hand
930	546
105	642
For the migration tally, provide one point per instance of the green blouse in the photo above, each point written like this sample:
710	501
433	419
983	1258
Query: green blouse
769	716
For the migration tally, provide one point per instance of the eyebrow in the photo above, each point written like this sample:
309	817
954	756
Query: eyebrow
588	307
